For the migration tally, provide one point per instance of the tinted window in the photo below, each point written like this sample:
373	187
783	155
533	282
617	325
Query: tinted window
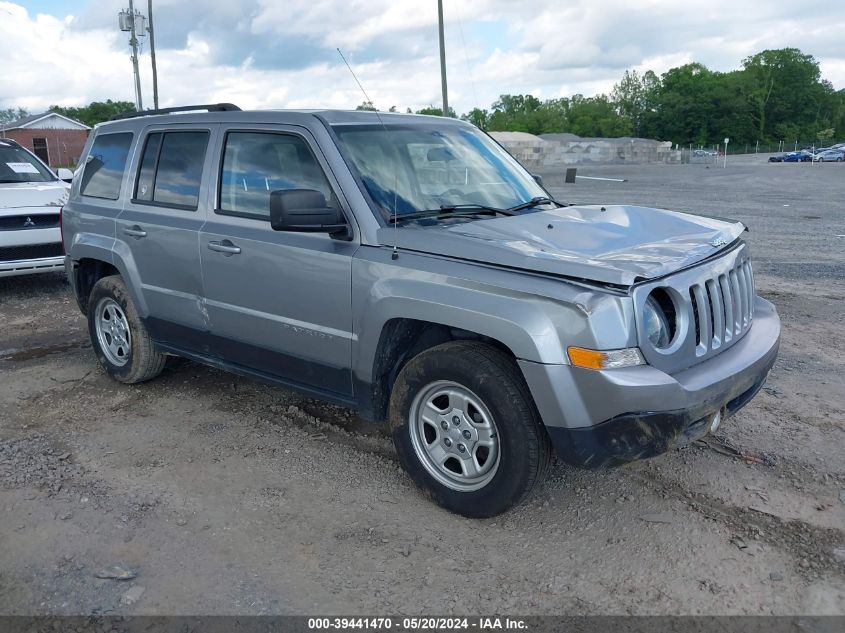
104	166
177	177
257	163
147	170
170	171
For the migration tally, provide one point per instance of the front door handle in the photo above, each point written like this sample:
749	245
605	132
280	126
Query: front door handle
135	231
226	247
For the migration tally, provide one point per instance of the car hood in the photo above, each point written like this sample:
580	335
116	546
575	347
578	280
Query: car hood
612	244
15	195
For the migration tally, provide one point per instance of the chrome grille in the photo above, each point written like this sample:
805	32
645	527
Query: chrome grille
722	307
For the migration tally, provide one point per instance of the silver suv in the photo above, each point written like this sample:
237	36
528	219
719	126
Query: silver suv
409	268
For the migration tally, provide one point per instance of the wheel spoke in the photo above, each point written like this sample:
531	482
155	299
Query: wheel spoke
430	414
460	400
438	454
486	436
470	467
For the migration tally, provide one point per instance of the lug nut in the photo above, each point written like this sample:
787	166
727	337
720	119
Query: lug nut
467	435
444	425
448	442
462	448
456	420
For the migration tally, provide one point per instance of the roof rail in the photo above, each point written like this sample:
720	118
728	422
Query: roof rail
209	107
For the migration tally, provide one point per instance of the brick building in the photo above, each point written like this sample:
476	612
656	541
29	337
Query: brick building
54	138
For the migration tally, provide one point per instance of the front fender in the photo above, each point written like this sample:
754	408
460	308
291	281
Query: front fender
535	318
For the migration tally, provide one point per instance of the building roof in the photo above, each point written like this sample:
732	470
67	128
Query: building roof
28	121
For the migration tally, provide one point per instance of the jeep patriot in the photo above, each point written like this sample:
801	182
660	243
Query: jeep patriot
409	268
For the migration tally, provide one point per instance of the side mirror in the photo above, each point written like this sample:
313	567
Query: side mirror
538	179
64	174
305	210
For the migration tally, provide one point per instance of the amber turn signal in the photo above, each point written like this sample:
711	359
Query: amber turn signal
612	359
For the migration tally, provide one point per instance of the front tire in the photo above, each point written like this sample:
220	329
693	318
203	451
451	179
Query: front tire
118	336
466	429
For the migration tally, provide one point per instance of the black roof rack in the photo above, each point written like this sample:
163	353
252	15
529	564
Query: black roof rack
209	107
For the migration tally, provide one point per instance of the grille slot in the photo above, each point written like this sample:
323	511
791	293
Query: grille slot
13	253
26	222
722	307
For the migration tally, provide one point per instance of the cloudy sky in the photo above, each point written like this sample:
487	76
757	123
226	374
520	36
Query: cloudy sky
282	53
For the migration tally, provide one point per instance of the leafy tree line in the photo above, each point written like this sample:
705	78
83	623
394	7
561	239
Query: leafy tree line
776	95
95	112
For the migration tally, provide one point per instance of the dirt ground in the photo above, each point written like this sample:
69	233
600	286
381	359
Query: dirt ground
225	496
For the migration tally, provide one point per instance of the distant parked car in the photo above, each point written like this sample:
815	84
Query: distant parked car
830	155
777	158
31	198
800	156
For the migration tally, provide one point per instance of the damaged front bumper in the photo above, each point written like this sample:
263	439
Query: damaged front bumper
607	418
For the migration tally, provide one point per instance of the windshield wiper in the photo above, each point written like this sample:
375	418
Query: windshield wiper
534	202
452	211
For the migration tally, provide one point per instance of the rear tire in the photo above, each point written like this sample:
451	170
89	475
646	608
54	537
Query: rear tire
466	428
118	336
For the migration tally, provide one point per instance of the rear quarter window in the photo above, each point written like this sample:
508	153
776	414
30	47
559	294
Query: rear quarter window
104	166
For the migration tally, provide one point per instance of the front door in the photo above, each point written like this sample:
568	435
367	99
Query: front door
279	303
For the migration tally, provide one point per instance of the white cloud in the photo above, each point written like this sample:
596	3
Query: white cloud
270	54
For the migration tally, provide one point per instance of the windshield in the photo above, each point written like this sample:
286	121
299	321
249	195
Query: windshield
410	169
18	165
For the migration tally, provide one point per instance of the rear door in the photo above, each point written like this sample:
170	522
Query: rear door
159	227
279	302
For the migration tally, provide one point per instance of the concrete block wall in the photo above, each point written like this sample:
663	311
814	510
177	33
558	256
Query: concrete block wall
539	152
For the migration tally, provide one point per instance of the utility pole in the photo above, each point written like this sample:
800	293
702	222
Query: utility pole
128	21
442	59
133	42
153	53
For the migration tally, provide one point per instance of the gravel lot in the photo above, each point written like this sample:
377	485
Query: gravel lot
224	496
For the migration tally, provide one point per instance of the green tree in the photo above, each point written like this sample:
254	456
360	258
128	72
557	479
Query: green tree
433	111
366	106
96	111
634	98
596	116
478	117
12	114
787	92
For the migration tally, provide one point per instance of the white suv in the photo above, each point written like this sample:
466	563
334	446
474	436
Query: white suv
31	199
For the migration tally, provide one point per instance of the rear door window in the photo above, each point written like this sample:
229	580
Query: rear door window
170	172
104	166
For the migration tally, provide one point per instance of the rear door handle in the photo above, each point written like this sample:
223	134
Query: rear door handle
135	231
226	247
